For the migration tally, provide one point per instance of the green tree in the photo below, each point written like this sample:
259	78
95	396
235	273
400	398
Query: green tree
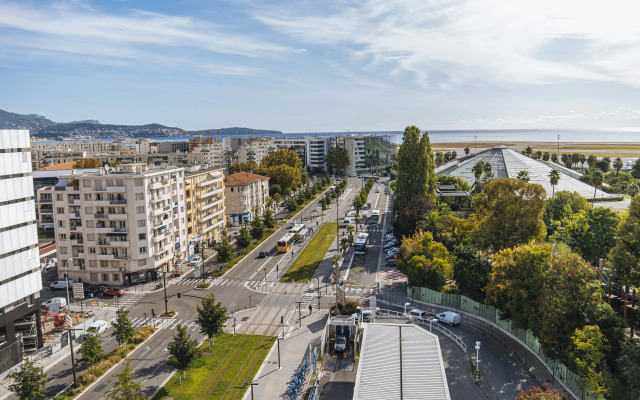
617	164
282	157
28	383
211	317
591	160
471	271
224	251
595	179
546	156
286	176
625	256
122	327
517	281
467	150
183	350
124	387
591	233
456	181
524	176
439	158
257	228
88	163
587	352
510	213
554	158
432	221
564	205
277	199
566	160
629	366
244	238
635	169
250	166
91	349
554	178
478	170
269	220
541	393
338	158
426	262
416	168
292	204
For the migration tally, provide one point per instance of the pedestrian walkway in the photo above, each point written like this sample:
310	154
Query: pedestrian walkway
164	323
273	377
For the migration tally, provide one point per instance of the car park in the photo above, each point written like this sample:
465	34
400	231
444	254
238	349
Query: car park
449	317
98	327
197	260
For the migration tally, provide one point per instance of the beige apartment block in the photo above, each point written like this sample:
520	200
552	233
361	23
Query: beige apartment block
204	197
255	150
245	195
119	226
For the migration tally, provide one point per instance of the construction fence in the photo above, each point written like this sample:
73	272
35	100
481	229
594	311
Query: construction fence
572	381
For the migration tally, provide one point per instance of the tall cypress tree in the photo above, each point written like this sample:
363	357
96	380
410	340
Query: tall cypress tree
416	168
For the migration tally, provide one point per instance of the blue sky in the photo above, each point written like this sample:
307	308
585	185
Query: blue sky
313	66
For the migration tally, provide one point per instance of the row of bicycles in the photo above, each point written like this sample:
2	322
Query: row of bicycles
296	385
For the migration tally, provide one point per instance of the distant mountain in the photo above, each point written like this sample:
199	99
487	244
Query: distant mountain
42	127
9	120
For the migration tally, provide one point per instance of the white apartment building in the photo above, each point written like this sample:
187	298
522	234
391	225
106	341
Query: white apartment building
215	155
312	150
255	150
245	194
356	146
20	279
119	226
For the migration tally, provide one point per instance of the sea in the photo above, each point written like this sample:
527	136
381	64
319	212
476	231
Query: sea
612	135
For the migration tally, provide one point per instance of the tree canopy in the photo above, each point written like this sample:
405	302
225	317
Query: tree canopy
124	387
183	350
426	262
282	157
510	213
416	168
591	233
338	158
122	327
29	381
625	256
211	317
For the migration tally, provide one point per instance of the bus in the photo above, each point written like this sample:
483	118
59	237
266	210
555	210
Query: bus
296	230
361	243
284	244
375	217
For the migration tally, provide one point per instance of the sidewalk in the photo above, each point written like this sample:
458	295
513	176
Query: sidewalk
272	381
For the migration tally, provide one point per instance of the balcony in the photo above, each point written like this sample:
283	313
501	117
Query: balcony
158	238
103	229
45	200
120	229
118	216
166	208
120	243
118	202
156	212
77	242
104	257
156	185
101	216
211	204
46	221
210	193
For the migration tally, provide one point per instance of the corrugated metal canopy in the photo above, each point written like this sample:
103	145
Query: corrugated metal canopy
379	370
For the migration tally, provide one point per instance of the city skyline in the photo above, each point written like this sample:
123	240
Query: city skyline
338	66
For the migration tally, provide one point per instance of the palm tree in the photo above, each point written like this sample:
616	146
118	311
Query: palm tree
488	167
617	164
524	176
350	230
478	169
431	221
554	178
596	179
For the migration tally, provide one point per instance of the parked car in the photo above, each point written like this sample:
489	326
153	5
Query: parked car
98	327
449	317
390	245
61	301
196	260
391	263
113	292
341	344
416	312
61	284
392	252
263	254
391	257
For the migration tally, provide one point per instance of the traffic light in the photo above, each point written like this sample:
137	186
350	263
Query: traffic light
179	295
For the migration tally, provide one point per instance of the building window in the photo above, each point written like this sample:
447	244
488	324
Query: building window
105	277
60	210
62	236
139	182
140	210
89	224
92	250
116	277
92	263
141	223
139	196
104	264
141	263
87	196
86	183
63	250
88	210
93	277
142	236
143	249
58	197
91	237
61	224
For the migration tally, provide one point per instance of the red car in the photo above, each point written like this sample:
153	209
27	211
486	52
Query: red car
113	292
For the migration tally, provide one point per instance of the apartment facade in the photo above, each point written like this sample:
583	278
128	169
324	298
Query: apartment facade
255	150
119	226
245	196
204	197
20	279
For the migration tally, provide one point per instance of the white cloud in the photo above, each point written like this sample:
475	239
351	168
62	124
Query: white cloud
75	29
448	43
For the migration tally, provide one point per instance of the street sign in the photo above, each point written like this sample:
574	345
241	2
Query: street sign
78	291
196	271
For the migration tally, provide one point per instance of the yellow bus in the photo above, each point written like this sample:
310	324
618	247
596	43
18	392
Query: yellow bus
296	230
286	242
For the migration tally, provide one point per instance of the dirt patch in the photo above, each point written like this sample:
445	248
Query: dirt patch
50	332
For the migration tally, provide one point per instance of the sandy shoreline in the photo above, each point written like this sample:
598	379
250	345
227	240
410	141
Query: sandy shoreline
629	150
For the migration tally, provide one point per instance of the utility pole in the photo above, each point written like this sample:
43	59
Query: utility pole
252	384
164	279
299	314
73	361
279	338
558	145
318	279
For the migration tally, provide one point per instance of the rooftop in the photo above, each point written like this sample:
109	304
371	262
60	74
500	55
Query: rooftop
67	165
242	178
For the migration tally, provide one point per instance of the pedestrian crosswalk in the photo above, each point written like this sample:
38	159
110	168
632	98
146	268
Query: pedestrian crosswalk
137	322
130	299
218	282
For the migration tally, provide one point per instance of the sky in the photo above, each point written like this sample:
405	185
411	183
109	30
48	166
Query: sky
324	66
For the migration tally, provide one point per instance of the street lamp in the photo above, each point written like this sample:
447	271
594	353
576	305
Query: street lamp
318	279
66	281
279	338
202	246
478	355
431	321
265	278
234	326
405	307
252	384
164	280
249	302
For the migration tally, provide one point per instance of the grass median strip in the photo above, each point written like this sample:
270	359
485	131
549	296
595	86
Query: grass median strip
307	262
221	371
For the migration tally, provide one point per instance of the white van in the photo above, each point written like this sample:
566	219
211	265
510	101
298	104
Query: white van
98	327
61	284
449	317
346	222
60	301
